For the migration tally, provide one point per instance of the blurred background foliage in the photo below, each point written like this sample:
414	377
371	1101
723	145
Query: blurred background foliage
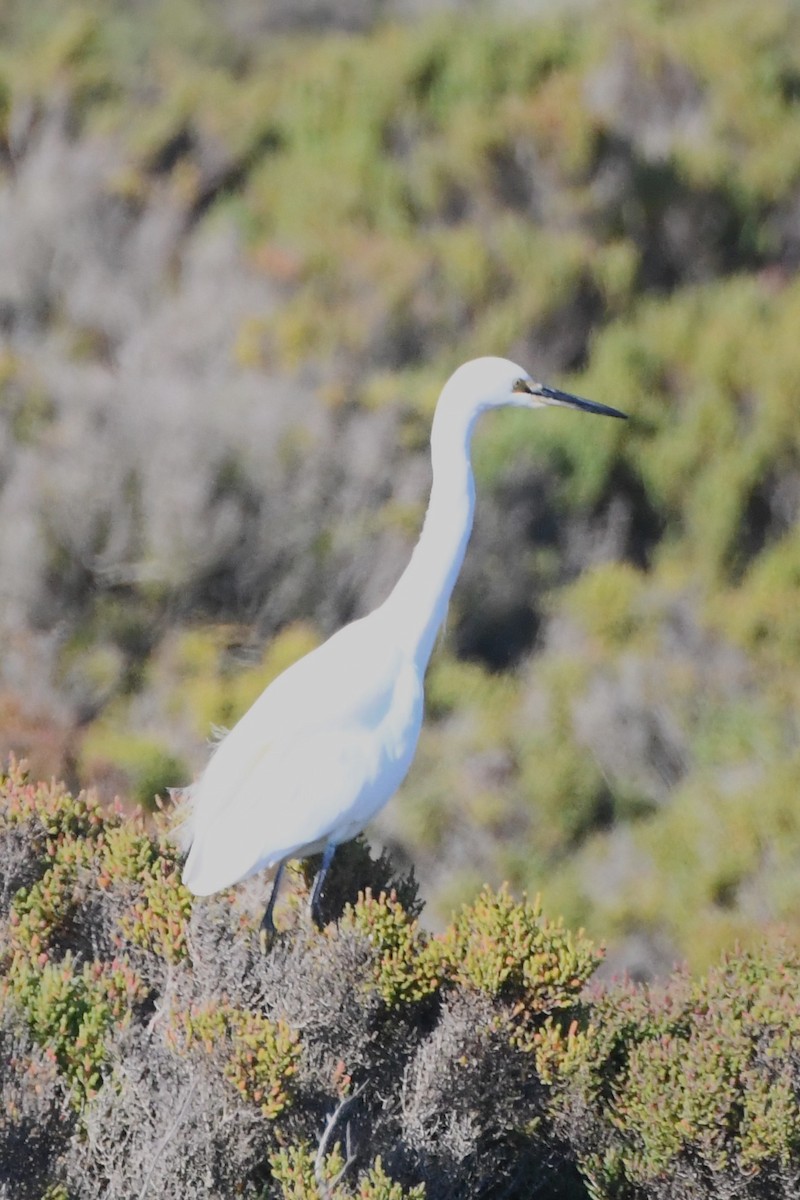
242	245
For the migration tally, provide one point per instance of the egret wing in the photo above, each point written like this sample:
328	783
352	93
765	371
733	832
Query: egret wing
291	802
266	786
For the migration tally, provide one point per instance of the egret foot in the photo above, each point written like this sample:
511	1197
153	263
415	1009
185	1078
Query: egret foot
267	930
319	884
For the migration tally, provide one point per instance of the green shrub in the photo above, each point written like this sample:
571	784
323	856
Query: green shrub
157	1044
690	1088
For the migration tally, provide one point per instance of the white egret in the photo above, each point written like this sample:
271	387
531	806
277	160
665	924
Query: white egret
330	740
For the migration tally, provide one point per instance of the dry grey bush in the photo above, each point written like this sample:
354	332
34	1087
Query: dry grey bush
445	1099
656	105
167	1119
24	860
166	1124
211	1060
141	460
693	1183
465	1081
35	1119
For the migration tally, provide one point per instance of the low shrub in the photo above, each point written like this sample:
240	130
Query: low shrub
150	1045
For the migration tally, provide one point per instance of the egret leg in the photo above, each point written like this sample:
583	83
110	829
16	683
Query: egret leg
319	883
267	929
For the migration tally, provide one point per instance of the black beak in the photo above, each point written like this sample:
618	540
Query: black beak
565	400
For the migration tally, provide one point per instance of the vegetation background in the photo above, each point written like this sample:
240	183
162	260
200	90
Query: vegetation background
241	247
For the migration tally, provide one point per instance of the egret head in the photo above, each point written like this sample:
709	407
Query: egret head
497	382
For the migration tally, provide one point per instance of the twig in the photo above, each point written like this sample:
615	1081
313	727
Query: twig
163	1143
344	1106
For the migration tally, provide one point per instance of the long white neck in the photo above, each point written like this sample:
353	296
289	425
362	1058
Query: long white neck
418	603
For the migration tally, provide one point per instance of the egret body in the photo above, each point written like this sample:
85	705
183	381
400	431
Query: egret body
331	739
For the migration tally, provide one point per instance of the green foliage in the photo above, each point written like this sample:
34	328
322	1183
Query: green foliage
699	371
687	1087
70	1003
146	765
512	952
260	1056
696	1081
609	601
24	402
405	969
707	872
70	1010
160	908
761	614
201	665
48	813
294	1169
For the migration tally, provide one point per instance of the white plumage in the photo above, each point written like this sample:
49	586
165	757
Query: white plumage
331	739
320	751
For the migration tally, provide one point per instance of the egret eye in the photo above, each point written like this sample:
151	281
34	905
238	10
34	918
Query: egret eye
522	385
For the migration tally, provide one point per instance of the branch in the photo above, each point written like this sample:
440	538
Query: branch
162	1144
325	1187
